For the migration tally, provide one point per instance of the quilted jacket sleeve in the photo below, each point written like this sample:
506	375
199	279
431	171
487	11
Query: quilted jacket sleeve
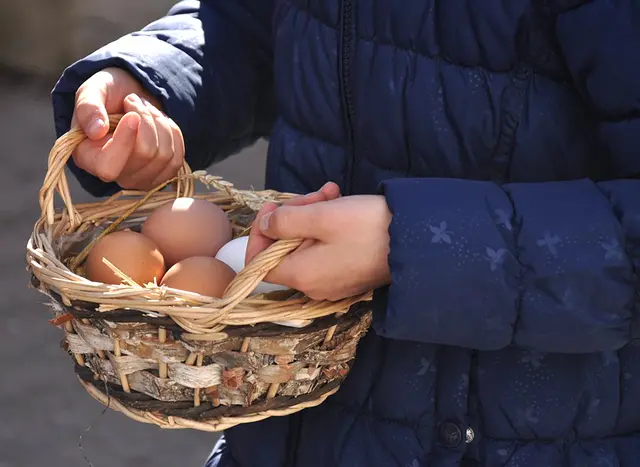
209	62
550	266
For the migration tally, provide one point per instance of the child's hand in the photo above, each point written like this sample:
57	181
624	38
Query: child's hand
349	248
147	147
259	242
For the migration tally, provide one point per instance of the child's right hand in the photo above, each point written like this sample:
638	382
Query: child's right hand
147	147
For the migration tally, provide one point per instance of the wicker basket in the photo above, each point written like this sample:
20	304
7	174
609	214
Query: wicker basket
178	359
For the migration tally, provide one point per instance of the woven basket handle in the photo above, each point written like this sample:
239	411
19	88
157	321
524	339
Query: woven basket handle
56	178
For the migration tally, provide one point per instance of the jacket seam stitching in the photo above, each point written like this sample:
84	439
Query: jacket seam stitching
520	278
510	122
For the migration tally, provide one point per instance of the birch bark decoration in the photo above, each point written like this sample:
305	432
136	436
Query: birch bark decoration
177	359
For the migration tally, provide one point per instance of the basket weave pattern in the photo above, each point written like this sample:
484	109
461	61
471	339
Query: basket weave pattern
174	358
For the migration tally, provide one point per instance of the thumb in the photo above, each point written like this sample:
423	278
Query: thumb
90	111
291	222
259	242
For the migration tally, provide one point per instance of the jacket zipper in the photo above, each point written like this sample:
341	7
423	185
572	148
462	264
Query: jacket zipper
347	96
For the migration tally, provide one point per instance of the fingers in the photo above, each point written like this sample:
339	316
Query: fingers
139	170
328	192
163	155
146	149
331	190
293	222
159	150
147	140
288	271
280	228
103	94
107	157
110	162
171	151
178	145
258	242
294	271
90	111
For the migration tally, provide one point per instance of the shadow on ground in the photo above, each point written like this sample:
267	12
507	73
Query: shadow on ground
44	410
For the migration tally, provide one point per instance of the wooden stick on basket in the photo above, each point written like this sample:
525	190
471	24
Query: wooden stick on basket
174	358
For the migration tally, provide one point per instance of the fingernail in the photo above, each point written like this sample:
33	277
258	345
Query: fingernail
96	126
264	222
133	123
134	99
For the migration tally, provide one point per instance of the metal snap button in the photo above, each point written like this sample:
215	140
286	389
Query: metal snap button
469	435
450	434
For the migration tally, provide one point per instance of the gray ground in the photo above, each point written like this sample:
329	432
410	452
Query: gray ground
43	410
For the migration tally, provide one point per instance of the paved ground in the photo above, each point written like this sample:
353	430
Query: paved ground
43	409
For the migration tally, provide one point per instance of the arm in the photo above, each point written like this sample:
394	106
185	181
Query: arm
208	62
545	265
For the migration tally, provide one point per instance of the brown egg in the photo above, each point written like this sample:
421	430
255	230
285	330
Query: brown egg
133	253
187	227
200	274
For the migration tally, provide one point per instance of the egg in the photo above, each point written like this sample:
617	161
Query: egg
187	227
132	253
295	323
233	254
200	274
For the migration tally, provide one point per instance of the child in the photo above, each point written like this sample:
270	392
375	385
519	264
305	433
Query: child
485	153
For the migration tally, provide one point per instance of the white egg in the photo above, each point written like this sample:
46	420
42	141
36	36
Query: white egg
295	323
233	254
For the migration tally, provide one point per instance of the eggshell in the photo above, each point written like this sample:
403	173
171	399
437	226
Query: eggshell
200	274
295	323
187	227
132	253
233	254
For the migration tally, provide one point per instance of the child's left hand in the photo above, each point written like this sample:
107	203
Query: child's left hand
345	249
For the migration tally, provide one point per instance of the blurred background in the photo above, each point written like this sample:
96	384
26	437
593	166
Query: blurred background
44	410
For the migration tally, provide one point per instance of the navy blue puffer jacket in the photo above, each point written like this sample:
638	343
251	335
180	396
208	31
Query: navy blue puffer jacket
505	136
